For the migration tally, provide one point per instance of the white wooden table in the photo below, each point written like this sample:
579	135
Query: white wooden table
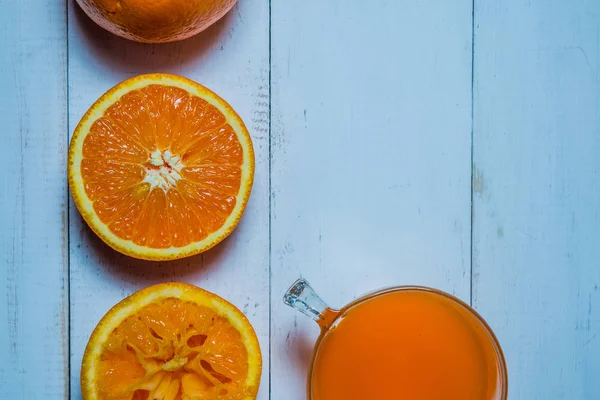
431	142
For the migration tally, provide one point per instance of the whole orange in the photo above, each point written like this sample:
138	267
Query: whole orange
155	21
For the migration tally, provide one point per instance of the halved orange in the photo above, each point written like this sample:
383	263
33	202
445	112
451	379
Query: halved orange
172	341
160	167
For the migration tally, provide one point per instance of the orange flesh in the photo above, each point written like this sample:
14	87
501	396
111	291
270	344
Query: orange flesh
174	350
407	345
162	167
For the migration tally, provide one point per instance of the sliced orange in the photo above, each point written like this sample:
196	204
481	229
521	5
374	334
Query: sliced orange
160	167
172	341
155	21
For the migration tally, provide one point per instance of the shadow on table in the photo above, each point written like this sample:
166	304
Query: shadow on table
143	273
298	348
127	56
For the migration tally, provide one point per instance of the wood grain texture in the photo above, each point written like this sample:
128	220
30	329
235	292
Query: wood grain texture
33	238
537	191
369	165
371	142
232	59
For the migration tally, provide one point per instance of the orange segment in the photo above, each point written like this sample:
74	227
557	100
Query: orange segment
152	227
216	146
224	178
104	175
107	141
172	341
160	167
184	217
130	114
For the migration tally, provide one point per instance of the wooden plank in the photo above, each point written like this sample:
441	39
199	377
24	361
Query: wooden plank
371	141
33	239
537	193
232	59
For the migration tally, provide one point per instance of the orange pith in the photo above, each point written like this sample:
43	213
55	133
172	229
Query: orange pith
173	342
161	163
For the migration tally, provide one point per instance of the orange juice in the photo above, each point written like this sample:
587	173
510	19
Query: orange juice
408	344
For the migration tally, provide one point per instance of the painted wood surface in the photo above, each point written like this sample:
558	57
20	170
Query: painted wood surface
536	216
371	157
383	149
231	58
33	198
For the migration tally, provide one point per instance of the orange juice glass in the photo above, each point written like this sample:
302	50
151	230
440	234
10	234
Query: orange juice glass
405	342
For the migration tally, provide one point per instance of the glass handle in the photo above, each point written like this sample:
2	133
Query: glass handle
302	297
